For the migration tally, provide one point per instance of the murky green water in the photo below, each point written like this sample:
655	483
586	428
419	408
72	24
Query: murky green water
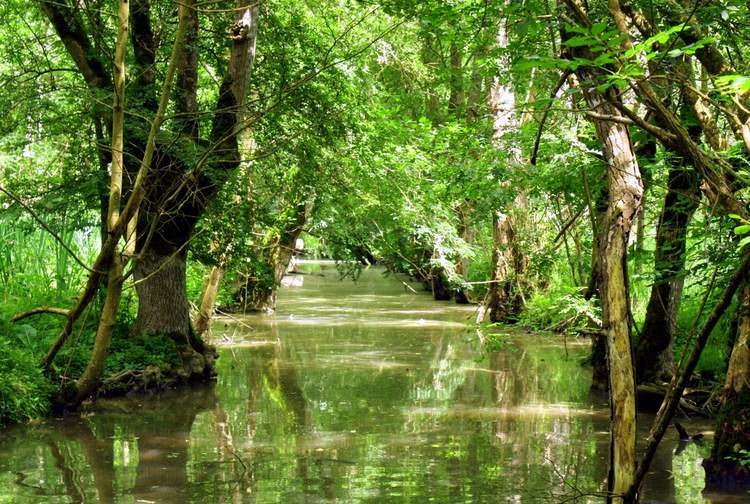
352	392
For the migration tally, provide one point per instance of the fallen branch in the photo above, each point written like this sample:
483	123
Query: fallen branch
652	392
593	322
42	309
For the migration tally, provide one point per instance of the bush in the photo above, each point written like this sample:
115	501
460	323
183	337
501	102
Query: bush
560	307
137	353
24	390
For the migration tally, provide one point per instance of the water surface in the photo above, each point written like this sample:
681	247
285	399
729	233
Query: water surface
351	392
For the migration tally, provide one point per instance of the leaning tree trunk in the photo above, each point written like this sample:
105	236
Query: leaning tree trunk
654	356
90	379
725	468
285	249
625	191
208	300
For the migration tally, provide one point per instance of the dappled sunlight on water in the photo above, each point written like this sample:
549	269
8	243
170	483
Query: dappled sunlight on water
350	392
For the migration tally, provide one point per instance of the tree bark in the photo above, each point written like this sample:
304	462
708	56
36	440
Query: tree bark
162	296
625	191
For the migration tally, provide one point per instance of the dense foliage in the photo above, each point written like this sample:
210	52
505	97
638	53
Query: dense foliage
575	166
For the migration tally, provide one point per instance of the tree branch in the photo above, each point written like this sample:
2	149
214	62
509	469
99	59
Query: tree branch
186	85
36	311
144	49
545	113
72	33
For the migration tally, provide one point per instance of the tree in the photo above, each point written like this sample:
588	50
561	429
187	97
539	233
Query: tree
169	197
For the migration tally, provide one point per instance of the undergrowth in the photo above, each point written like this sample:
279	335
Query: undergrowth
25	391
559	307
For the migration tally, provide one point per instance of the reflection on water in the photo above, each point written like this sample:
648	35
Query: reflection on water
351	392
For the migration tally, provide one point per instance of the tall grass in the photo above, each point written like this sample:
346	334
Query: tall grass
35	270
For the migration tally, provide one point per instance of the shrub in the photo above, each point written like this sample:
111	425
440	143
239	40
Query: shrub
24	390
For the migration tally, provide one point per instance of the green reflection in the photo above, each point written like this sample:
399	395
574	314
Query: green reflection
351	392
688	473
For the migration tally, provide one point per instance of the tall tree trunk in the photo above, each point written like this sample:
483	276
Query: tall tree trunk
625	191
466	232
505	295
165	227
654	358
69	28
502	303
725	467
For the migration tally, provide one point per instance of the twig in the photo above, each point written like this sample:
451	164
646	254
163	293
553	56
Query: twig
545	113
42	309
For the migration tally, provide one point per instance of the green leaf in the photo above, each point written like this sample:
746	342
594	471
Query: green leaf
580	41
598	28
743	229
733	83
604	59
